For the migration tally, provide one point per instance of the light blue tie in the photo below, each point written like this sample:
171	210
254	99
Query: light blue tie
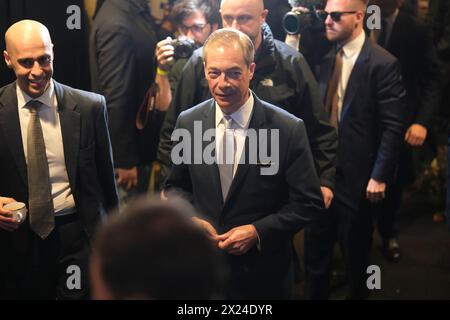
227	160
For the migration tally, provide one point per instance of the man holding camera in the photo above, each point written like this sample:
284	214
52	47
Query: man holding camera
306	31
195	21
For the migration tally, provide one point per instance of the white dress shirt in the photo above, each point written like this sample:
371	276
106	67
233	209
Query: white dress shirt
351	54
241	119
63	201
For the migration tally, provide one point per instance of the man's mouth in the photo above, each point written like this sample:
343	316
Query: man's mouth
36	82
224	95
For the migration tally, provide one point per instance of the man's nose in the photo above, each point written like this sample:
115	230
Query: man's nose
328	21
190	34
223	81
235	24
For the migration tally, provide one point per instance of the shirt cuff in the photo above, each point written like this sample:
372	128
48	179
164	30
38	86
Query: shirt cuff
258	241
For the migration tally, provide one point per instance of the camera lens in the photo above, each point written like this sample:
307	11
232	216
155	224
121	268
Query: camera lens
183	48
183	51
291	23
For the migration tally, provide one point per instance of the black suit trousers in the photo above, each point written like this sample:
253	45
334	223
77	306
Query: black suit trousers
352	229
39	269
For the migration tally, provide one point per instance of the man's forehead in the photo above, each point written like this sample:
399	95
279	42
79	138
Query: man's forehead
197	15
228	49
249	6
28	42
224	65
29	48
341	3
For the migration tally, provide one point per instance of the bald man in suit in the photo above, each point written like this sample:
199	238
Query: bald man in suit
56	158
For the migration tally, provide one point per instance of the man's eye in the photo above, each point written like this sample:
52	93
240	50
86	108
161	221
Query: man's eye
243	19
234	74
26	63
213	74
44	61
228	19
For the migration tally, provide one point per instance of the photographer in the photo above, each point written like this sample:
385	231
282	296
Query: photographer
195	21
305	29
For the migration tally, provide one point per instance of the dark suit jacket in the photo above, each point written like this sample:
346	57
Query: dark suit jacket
411	43
372	121
87	152
122	46
277	205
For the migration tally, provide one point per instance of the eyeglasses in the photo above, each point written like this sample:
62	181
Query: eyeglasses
196	28
335	15
28	63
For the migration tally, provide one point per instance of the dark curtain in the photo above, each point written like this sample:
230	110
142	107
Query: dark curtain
71	64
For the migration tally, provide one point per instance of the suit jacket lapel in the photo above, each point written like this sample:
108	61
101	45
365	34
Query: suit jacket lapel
10	124
357	77
70	130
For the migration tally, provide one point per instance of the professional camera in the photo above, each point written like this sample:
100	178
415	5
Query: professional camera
183	47
295	22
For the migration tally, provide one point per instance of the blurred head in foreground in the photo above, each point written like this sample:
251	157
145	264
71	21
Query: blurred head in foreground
152	250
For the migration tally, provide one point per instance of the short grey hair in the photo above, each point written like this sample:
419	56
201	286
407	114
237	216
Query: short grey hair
228	37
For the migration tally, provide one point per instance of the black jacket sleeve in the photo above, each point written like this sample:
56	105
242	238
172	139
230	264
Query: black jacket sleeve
184	97
322	136
116	68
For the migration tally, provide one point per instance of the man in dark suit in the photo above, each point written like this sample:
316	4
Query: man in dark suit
282	77
411	43
122	45
363	93
56	158
249	205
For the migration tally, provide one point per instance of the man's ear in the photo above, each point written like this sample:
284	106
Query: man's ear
252	69
264	14
7	59
360	16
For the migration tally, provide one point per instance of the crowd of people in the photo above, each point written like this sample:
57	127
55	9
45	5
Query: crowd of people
351	113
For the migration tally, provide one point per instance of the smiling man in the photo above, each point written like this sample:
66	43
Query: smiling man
56	158
281	77
249	216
